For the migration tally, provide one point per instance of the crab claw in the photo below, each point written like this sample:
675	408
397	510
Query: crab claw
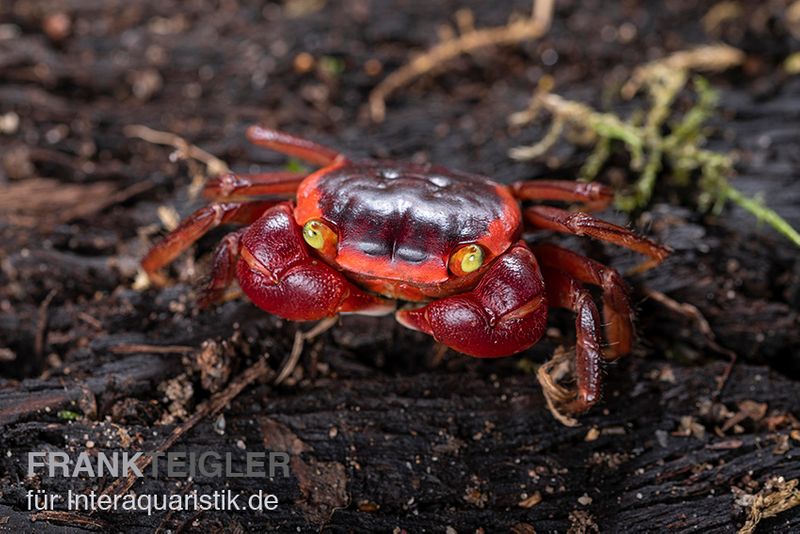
504	314
279	274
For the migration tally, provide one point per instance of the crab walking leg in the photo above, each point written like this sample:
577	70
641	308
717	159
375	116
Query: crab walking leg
223	268
239	186
583	224
593	195
564	291
293	146
277	271
504	314
194	227
617	314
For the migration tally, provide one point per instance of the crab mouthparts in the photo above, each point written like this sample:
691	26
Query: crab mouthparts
383	268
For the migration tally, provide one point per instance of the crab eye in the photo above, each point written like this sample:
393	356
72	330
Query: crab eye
319	235
467	259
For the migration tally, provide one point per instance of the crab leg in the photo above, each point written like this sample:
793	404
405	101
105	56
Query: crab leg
564	291
594	195
504	314
579	223
194	227
616	306
293	146
223	268
238	186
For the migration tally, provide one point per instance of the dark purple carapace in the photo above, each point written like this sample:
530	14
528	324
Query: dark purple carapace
397	219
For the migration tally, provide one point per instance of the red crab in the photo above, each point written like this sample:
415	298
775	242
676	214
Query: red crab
362	235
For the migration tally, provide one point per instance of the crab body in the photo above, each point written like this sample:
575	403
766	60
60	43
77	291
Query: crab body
398	223
440	248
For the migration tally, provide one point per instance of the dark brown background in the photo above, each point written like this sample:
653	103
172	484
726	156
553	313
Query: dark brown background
414	447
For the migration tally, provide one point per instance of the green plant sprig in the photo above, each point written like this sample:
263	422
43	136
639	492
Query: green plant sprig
647	144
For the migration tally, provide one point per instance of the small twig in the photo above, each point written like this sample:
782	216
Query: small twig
525	153
722	379
41	324
7	355
777	496
257	371
555	395
138	348
514	32
726	10
691	311
711	58
96	205
185	149
71	519
91	321
437	357
300	339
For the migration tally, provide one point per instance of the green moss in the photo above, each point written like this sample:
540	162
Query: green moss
332	66
67	415
653	138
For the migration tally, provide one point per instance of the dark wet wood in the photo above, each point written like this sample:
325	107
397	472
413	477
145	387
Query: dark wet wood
380	437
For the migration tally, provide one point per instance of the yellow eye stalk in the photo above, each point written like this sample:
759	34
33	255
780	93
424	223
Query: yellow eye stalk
312	233
467	259
320	236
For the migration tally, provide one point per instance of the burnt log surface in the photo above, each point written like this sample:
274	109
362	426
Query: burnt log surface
381	434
